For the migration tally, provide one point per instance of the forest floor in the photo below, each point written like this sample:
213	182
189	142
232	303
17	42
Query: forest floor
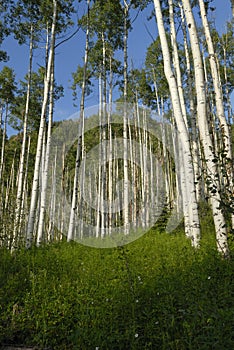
155	293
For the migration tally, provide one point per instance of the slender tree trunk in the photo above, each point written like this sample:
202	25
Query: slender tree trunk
3	144
218	94
176	61
23	147
212	171
156	91
80	138
45	167
35	187
24	201
183	132
125	141
194	134
110	155
99	180
103	139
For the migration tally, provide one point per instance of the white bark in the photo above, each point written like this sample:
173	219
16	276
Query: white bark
80	139
35	187
45	167
218	94
17	219
183	132
219	220
24	202
125	141
176	61
3	144
194	134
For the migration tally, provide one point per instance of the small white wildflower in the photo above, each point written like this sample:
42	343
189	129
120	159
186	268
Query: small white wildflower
136	335
156	322
107	299
209	277
137	301
158	293
139	278
96	348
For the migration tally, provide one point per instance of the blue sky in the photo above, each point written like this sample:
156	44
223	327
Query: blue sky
70	54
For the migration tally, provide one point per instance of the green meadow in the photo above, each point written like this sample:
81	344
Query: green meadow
154	293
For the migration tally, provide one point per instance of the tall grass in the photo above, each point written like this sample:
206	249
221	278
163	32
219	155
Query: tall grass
155	293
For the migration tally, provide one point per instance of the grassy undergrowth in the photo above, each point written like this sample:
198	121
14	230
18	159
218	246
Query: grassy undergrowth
155	293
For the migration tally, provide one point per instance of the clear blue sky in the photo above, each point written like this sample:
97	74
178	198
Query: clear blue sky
70	54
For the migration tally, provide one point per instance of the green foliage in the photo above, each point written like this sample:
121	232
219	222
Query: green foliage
16	119
7	85
4	30
106	19
25	16
155	293
155	68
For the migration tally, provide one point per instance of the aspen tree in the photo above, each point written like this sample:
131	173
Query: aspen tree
218	94
211	167
19	194
194	226
70	234
7	95
35	186
194	132
45	164
125	143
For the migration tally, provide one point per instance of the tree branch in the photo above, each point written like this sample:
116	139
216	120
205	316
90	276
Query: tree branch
71	36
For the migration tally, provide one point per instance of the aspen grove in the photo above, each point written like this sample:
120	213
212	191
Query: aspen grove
157	147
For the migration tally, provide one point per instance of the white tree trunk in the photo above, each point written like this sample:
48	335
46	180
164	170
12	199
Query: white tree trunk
35	187
125	120
176	61
3	144
219	220
17	219
70	233
45	167
214	65
183	132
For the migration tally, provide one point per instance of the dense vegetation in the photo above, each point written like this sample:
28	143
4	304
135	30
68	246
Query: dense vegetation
155	156
155	293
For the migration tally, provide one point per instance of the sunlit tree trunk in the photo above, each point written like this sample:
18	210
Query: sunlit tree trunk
35	186
45	166
194	133
176	61
110	169
212	171
99	179
17	219
24	201
125	121
10	185
218	94
80	138
103	139
183	132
